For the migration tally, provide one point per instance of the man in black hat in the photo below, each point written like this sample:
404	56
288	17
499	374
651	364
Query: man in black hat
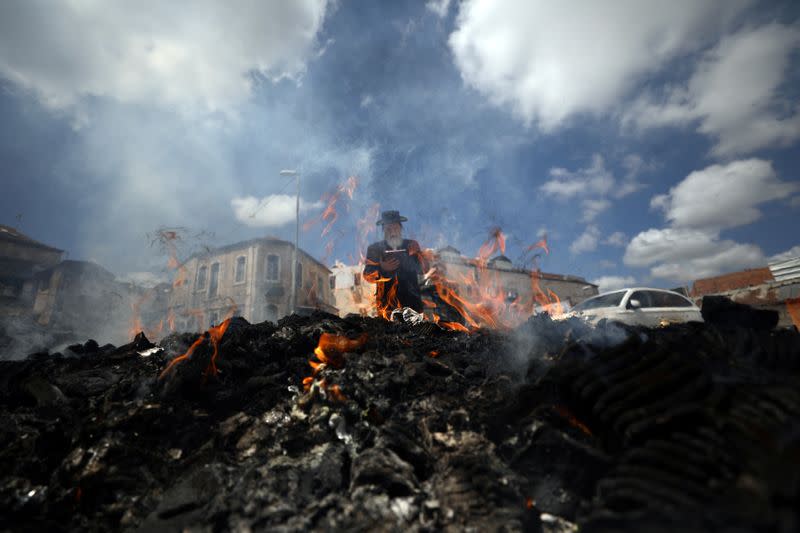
397	260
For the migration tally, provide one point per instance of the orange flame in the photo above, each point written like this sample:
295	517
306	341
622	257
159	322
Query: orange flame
433	353
214	334
455	326
793	308
541	244
329	352
497	241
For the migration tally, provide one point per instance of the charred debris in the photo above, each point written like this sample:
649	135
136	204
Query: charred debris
553	426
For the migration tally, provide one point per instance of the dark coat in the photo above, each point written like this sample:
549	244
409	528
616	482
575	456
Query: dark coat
406	275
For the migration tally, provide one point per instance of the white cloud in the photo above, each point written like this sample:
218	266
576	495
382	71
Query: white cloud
795	202
594	183
548	61
616	239
610	283
594	179
270	211
586	241
791	253
191	57
593	207
684	253
723	196
605	263
439	7
733	93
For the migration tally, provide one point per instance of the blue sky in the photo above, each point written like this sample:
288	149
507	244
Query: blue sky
653	144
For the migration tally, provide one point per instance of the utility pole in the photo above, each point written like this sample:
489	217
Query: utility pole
293	293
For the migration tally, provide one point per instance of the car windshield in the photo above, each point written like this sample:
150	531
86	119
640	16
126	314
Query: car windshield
611	299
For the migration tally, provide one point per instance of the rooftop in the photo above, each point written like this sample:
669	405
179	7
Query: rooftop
9	234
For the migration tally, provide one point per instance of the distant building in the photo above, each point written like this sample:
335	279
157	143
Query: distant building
83	298
353	295
254	277
515	282
20	258
776	286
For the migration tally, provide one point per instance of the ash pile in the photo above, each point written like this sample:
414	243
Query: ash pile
555	426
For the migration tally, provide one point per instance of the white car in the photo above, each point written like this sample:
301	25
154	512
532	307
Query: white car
639	306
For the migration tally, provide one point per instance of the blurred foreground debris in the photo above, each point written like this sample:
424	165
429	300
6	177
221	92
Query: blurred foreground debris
551	426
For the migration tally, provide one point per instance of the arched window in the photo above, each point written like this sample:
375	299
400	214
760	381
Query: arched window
200	282
273	267
241	265
213	283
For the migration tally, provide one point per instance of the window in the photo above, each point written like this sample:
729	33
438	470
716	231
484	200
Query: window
240	269
299	280
612	299
214	281
271	312
214	316
356	278
320	286
658	299
332	281
200	282
273	267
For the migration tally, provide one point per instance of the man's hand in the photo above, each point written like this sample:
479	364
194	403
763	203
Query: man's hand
390	264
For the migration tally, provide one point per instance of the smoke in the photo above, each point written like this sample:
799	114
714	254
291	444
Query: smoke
535	346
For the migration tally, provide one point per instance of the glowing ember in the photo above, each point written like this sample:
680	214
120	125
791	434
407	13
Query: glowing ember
529	503
434	353
569	417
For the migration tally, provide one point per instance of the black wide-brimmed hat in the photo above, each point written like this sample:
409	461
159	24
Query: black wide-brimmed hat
389	217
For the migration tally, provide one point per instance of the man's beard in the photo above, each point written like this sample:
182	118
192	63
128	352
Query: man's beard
394	242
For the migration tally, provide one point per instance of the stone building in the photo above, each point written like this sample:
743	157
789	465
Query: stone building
254	277
84	299
20	258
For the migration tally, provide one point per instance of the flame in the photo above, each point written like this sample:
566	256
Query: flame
485	303
214	334
541	244
433	353
497	241
793	308
329	352
330	214
529	503
455	326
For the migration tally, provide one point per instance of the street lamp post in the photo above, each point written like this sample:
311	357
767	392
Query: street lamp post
293	293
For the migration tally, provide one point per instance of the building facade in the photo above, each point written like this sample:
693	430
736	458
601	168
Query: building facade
251	279
20	259
351	293
774	287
